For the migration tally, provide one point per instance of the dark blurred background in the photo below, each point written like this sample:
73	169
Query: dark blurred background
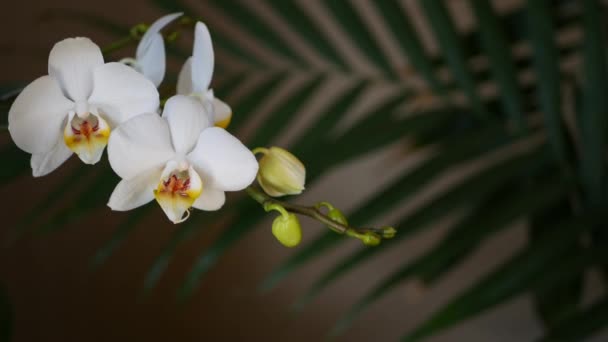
55	294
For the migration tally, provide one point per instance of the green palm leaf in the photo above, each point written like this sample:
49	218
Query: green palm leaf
580	325
496	46
595	106
399	24
256	26
545	59
555	303
527	268
463	238
350	20
306	28
472	190
450	43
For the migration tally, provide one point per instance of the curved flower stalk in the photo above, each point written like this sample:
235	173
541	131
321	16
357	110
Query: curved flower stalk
150	57
195	77
74	108
286	227
180	159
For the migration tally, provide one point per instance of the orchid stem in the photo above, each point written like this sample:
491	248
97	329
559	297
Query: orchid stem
117	45
310	211
135	35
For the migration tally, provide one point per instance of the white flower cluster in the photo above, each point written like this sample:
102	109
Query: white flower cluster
183	158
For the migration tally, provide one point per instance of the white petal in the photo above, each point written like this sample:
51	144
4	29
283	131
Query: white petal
152	61
135	192
141	144
37	116
71	63
210	199
153	31
222	113
223	161
203	58
122	93
187	119
46	162
184	80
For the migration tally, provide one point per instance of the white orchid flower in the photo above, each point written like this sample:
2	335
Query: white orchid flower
74	107
150	58
195	77
180	159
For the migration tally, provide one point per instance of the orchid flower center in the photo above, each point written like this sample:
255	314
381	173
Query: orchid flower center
178	188
177	184
84	128
87	135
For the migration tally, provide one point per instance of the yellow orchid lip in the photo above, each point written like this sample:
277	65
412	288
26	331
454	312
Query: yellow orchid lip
177	192
87	137
224	123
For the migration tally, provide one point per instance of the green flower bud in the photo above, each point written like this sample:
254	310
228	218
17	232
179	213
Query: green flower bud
280	172
333	213
388	232
337	216
286	228
371	239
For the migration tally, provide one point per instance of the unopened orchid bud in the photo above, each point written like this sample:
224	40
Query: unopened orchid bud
388	232
280	172
334	214
371	239
286	228
337	216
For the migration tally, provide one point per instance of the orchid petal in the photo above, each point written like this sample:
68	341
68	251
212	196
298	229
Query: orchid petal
187	119
135	192
150	36
37	116
122	93
140	144
222	113
202	58
46	162
152	61
223	161
210	199
71	63
184	80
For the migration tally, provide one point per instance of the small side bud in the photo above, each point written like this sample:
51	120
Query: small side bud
286	228
388	232
371	239
280	172
337	216
333	213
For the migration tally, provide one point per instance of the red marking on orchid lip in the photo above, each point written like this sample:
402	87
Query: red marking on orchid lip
176	185
85	127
